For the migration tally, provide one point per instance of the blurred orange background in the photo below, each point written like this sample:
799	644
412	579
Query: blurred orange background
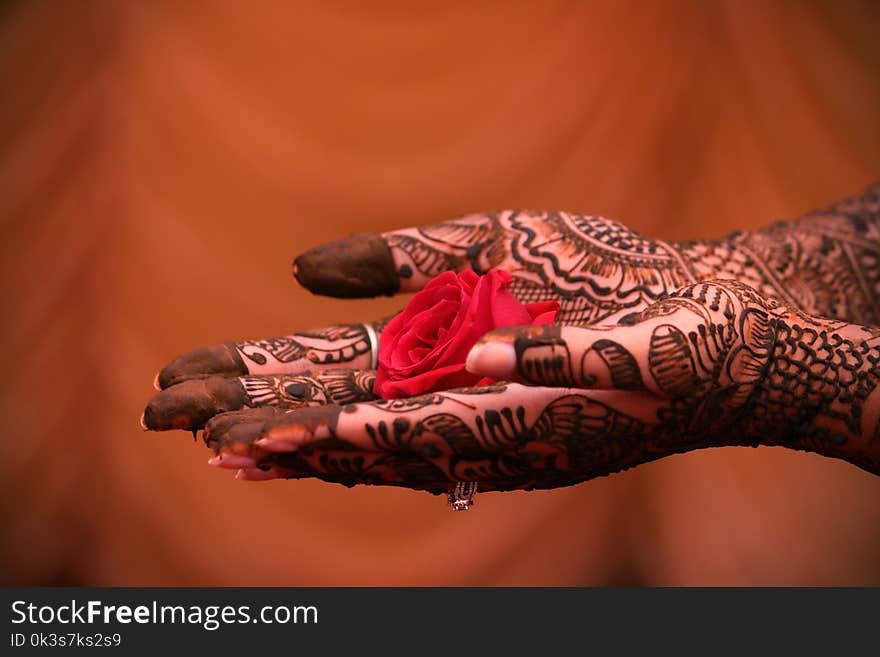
162	162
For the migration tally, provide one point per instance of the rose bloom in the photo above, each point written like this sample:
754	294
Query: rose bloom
424	348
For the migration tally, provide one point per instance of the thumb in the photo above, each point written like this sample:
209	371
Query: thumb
639	357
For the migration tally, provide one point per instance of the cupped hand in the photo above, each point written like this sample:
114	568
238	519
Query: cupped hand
712	364
597	269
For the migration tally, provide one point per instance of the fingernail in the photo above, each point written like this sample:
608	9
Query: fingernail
251	474
495	359
232	461
276	444
144	422
156	382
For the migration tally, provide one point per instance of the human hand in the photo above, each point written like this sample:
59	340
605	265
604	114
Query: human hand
713	364
597	269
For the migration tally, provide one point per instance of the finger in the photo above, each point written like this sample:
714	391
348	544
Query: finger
190	404
236	432
342	345
468	423
505	436
353	467
595	267
382	473
234	437
369	264
668	349
601	358
232	461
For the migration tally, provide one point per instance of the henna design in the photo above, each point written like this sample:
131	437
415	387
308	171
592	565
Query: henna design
827	263
732	367
595	267
346	345
331	345
816	373
568	441
357	468
622	365
406	404
333	386
449	245
190	404
756	365
541	354
488	388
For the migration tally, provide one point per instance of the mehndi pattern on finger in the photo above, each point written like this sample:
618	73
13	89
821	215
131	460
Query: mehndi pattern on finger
331	345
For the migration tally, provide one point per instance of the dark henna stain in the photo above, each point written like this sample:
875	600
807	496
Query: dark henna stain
296	390
356	267
218	360
226	430
190	404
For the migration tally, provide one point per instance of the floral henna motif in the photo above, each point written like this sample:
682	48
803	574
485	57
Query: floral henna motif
333	386
595	268
826	263
332	345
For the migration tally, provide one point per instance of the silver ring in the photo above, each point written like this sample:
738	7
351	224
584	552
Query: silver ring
462	496
374	346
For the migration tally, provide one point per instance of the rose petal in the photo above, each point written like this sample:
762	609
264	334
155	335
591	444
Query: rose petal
543	312
508	311
424	382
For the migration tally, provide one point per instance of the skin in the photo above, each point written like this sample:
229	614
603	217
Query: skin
763	338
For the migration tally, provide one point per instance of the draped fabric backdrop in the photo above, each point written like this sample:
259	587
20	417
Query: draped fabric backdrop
162	162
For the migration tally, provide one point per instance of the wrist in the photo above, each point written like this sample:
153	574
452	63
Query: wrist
819	392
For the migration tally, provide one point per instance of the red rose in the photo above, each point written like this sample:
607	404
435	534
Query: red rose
424	348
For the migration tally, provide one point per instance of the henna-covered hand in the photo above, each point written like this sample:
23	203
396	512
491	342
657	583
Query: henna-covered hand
336	346
827	263
191	403
714	364
596	268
